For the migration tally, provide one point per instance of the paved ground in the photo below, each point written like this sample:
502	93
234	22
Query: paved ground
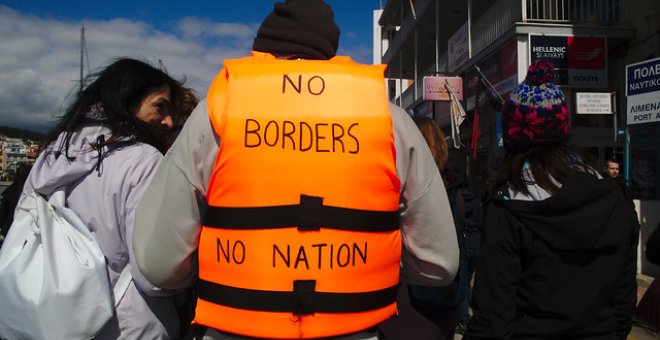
640	330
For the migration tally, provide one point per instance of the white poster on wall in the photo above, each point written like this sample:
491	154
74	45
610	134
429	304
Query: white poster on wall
593	103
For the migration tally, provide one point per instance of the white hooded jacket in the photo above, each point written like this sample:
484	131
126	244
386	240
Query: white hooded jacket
105	195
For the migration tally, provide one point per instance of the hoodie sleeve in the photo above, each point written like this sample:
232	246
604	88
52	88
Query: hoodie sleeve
494	291
430	247
653	246
139	177
626	298
167	223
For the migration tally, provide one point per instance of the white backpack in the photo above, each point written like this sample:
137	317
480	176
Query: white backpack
53	278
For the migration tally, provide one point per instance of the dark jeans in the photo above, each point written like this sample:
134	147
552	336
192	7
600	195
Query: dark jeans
466	285
416	322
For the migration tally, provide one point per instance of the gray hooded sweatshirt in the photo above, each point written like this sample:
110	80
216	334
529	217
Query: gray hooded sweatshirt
106	199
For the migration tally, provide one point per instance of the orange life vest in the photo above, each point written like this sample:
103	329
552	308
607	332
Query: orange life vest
301	237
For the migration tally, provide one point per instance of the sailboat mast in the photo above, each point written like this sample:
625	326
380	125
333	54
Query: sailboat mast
82	52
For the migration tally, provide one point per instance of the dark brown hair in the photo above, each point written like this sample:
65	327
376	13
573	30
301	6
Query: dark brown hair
435	140
113	91
187	103
549	164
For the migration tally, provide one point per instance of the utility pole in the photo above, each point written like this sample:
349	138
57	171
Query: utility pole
82	52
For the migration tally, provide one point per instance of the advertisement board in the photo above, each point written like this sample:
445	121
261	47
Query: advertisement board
435	88
579	61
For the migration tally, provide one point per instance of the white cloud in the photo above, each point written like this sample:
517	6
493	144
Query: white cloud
39	63
194	28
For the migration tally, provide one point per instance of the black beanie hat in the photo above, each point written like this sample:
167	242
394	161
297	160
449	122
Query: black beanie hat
304	27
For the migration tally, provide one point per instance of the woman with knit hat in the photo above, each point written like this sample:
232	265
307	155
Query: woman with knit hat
558	247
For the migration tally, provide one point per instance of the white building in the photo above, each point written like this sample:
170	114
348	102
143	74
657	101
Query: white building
590	42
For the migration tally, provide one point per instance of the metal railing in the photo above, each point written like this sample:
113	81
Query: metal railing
495	22
408	97
505	13
603	12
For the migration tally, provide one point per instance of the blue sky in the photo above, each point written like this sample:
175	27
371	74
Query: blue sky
39	44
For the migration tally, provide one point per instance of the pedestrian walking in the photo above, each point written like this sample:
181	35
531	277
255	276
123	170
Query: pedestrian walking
558	249
295	196
104	150
427	312
611	170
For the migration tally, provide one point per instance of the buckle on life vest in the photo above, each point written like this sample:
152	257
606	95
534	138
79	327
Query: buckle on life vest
303	297
310	212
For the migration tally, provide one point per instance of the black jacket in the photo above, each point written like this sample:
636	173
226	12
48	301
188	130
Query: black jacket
653	246
10	198
561	268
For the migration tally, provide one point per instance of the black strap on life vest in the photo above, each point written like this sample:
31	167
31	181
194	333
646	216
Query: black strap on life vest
302	300
310	214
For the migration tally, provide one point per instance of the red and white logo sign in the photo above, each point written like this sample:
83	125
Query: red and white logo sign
587	53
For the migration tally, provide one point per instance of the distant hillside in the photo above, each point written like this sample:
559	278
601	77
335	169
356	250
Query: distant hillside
20	133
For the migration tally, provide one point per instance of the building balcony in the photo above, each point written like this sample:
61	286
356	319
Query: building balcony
504	14
411	32
417	35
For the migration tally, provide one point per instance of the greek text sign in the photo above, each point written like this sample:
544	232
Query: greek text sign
593	103
643	91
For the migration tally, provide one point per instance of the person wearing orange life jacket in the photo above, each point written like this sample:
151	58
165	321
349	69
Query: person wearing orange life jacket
290	192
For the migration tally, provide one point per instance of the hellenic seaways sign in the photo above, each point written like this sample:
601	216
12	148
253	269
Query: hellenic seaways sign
579	61
643	91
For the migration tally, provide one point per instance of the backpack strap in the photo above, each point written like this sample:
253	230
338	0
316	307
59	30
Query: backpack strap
58	198
122	284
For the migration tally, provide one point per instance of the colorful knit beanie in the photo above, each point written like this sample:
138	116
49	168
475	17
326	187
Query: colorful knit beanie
304	27
535	111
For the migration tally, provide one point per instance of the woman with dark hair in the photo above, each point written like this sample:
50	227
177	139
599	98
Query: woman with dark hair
132	98
104	150
558	243
434	312
426	312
